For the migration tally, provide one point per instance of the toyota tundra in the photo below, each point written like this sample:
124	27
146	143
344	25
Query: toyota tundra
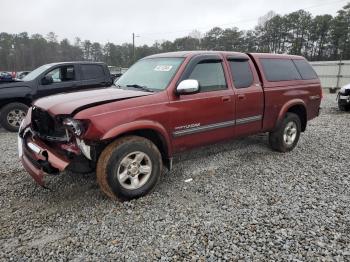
163	105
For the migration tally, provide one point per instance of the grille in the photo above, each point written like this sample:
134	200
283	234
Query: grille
45	125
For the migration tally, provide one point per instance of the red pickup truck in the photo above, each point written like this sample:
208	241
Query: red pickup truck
165	104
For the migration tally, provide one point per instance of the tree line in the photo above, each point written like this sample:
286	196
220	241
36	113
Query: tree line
322	37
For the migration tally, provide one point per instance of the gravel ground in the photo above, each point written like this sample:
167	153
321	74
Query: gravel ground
245	202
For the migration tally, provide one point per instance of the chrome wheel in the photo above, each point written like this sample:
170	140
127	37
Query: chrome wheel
134	170
15	117
290	133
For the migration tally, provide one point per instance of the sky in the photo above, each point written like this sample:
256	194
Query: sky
115	21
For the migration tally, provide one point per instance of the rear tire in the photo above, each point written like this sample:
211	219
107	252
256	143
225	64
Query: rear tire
286	136
129	168
343	107
12	115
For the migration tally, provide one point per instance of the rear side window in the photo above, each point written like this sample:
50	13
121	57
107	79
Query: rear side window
305	69
279	69
92	72
241	73
210	76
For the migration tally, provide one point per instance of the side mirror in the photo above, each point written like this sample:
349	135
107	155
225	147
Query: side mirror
47	80
187	87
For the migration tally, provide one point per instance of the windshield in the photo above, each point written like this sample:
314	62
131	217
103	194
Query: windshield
32	75
152	73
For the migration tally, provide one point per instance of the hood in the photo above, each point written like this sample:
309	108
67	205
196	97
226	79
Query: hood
4	85
71	103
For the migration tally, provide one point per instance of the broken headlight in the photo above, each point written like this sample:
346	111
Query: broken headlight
77	127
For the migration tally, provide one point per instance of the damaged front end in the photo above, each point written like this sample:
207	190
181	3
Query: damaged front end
49	145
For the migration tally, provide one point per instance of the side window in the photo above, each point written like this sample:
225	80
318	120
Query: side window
210	76
92	72
279	69
305	69
55	74
62	74
241	73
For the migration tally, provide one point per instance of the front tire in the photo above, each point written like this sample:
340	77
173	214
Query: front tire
129	168
12	115
286	136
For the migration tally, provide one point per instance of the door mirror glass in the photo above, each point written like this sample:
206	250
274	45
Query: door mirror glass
47	80
187	87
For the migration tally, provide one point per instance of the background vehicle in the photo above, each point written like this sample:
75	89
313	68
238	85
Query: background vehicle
166	104
21	74
116	72
16	97
115	76
344	98
5	77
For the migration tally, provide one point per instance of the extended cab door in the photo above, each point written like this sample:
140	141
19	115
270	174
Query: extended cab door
58	80
249	95
207	116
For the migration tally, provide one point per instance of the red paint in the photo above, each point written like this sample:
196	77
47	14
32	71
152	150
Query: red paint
56	160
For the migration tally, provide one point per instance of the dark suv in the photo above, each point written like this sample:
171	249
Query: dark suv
16	97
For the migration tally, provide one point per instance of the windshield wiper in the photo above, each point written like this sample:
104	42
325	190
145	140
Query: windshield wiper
144	88
118	86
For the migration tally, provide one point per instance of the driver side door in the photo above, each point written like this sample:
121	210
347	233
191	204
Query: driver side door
208	116
64	79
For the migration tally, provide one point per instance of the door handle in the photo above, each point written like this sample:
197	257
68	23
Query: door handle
226	99
241	97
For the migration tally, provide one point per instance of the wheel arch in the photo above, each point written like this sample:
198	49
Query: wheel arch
148	129
297	107
23	100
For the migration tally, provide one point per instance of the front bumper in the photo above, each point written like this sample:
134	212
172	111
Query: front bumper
37	157
343	99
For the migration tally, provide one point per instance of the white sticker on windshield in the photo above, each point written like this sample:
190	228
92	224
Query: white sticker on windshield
163	68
